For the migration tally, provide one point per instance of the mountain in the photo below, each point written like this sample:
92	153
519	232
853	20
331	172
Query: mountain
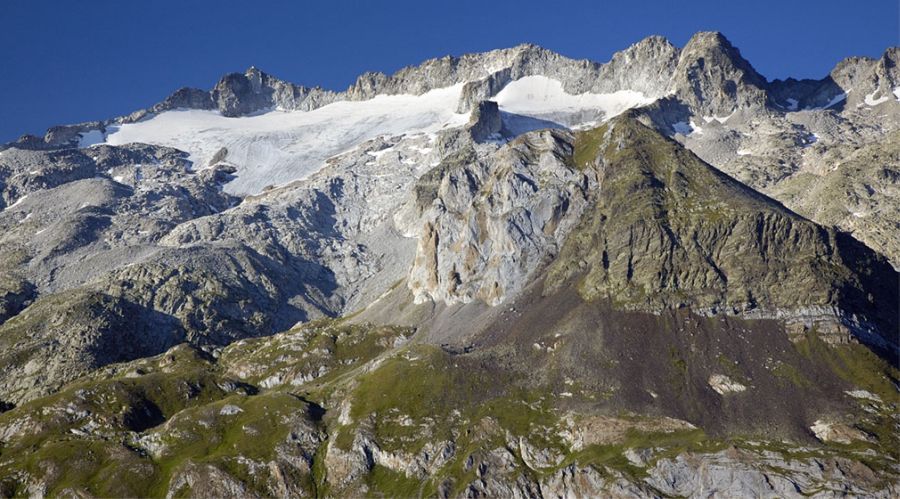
501	274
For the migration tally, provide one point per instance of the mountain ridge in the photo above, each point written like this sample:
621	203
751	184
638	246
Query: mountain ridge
503	274
237	94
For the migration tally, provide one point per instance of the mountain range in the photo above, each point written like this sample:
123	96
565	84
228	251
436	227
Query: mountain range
502	274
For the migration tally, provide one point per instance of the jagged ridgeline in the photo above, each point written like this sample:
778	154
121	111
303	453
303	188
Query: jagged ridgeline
508	274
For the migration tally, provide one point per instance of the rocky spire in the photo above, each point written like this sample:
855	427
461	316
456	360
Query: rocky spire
647	67
713	77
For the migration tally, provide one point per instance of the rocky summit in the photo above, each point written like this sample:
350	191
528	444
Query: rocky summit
504	274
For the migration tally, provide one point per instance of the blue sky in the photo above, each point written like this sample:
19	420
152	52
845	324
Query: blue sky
71	61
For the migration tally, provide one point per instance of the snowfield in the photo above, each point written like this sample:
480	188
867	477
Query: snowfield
872	101
544	98
278	147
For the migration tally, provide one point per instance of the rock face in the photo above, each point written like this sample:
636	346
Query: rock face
521	289
508	213
241	94
713	79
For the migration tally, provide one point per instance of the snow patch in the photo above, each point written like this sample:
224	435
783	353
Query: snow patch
720	119
382	152
90	138
18	202
743	152
837	99
872	101
792	104
542	97
275	147
897	93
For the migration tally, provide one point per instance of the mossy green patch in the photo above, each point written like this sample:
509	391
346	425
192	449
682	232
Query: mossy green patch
587	146
385	482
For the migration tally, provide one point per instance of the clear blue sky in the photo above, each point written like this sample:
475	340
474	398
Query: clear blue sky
69	61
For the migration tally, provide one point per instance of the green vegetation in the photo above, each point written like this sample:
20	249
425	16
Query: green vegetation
129	429
791	374
665	444
390	483
587	146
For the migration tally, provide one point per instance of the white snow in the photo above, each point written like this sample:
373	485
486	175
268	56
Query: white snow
792	104
278	147
743	152
835	100
495	67
687	128
18	202
696	128
897	93
720	119
275	148
544	98
382	152
872	101
90	138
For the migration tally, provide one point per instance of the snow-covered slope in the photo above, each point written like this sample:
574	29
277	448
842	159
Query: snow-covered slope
544	98
279	147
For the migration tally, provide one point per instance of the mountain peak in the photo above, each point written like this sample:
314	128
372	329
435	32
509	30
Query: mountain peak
709	38
654	41
713	77
655	188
